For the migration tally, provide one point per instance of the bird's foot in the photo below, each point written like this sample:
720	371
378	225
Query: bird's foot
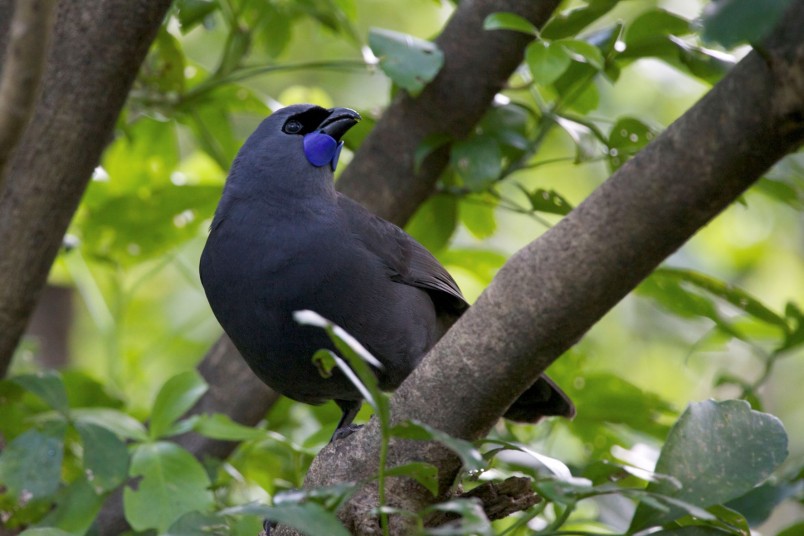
345	431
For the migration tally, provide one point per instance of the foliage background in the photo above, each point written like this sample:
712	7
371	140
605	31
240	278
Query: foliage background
134	245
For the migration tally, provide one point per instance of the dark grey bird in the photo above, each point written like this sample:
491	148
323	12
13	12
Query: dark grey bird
283	240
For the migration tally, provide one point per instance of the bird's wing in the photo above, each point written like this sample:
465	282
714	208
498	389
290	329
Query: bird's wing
408	261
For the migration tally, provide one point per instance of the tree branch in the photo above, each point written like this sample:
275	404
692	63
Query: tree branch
22	70
553	290
96	53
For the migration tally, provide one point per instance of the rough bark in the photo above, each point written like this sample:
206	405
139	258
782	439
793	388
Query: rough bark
96	52
553	290
22	69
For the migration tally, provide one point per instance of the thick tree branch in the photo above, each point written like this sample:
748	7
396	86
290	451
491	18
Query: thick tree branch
21	71
96	51
477	66
553	290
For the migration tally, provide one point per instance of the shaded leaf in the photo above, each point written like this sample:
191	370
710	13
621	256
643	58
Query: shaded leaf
221	426
548	201
731	22
173	483
105	457
30	466
195	523
473	518
77	505
583	52
570	23
308	518
427	146
434	222
718	451
193	12
410	62
626	138
48	386
758	504
118	422
477	160
424	473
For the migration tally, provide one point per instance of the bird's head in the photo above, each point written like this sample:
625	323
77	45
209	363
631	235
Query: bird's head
297	140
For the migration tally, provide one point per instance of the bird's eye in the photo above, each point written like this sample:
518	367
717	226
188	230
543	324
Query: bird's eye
292	127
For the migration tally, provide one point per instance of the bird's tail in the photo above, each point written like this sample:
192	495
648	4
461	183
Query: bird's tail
543	399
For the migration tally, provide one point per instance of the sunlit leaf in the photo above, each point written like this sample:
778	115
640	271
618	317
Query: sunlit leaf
175	398
410	62
509	21
173	483
221	426
547	61
116	421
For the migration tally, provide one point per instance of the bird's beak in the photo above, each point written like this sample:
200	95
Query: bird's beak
339	121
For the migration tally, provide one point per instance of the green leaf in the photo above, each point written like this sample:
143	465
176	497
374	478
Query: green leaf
647	34
478	218
470	457
197	523
793	530
583	52
176	397
77	505
717	451
571	22
780	191
627	137
45	531
509	21
434	222
477	160
484	264
587	144
547	61
410	62
116	421
105	457
48	386
163	68
220	426
758	504
473	518
548	201
193	12
30	466
427	146
424	473
732	22
173	483
308	518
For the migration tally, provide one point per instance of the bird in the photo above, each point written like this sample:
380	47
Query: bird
282	240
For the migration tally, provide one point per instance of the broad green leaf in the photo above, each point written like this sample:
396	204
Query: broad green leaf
163	68
470	457
473	518
197	523
780	191
45	531
484	264
570	23
508	124
116	421
509	21
758	504
647	34
732	22
48	386
478	217
424	473
173	483
626	138
477	160
308	518
330	497
105	457
176	397
85	391
434	222
717	451
193	12
77	505
576	88
547	61
410	62
548	201
30	466
793	530
220	426
708	65
583	52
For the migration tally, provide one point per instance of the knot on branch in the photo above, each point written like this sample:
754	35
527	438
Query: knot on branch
497	499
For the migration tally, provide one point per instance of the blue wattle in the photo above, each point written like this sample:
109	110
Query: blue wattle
322	149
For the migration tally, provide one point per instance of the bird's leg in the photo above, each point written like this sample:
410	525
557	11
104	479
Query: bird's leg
345	427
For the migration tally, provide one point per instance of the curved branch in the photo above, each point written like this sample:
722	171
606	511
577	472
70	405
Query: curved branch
553	290
22	70
96	51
